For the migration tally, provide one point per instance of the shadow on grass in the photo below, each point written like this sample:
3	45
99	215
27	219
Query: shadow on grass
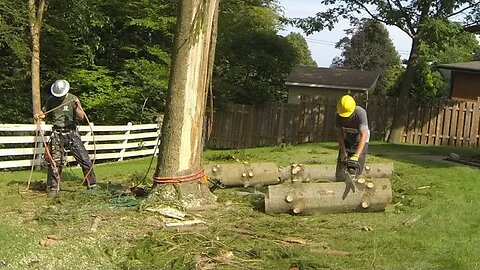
427	156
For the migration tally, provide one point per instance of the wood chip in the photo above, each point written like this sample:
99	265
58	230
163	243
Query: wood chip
95	223
184	223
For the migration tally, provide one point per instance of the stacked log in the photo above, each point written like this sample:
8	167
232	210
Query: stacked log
267	173
244	174
314	172
336	197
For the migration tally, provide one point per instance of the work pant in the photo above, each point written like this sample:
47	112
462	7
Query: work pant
69	140
350	148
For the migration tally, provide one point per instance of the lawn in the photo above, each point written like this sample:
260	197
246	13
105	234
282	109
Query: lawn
433	222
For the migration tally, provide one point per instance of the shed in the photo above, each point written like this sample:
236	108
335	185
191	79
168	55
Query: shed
329	82
464	79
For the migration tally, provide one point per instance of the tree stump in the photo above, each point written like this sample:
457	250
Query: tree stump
334	197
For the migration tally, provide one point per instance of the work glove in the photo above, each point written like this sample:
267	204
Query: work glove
352	164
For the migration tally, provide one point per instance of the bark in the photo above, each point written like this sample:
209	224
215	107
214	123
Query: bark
35	20
263	174
399	119
244	174
309	198
315	172
180	152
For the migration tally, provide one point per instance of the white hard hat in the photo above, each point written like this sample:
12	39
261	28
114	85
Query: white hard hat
60	88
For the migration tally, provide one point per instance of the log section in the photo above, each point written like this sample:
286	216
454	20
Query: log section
244	174
312	172
308	198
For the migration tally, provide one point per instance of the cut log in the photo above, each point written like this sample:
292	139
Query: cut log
314	172
334	197
244	174
262	174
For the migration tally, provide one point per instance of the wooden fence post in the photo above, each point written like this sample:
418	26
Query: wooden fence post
127	134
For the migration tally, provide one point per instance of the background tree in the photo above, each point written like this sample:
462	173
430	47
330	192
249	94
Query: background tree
15	58
409	16
302	52
252	60
35	12
118	58
370	48
444	42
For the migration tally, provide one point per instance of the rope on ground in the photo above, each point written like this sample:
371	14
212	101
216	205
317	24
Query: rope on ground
179	179
37	131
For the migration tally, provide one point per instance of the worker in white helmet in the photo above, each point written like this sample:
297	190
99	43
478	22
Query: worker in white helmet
64	110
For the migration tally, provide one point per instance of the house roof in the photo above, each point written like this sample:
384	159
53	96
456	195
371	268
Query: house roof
332	78
473	28
465	66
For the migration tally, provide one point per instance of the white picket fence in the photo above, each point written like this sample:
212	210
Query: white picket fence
17	143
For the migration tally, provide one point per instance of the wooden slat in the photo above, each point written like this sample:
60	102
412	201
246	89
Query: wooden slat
460	123
446	125
452	140
475	124
439	122
468	123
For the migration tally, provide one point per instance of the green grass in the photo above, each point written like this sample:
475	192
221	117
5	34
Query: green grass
238	236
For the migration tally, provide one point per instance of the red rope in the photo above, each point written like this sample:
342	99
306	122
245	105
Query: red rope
178	179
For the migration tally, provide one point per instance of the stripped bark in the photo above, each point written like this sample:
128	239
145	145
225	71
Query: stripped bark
180	153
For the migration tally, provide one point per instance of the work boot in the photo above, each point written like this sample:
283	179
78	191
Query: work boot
93	187
52	193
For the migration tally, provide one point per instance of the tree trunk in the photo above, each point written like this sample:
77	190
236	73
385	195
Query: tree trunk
399	119
309	198
35	19
180	153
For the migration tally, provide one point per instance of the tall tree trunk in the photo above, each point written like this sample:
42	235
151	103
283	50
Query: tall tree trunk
35	20
181	149
399	119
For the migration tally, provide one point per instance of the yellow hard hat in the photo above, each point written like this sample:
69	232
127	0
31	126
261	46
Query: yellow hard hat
345	106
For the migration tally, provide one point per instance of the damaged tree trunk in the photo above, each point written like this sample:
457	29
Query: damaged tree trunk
308	198
179	175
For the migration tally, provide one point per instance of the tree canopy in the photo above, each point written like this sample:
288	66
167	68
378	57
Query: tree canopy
117	55
412	17
370	48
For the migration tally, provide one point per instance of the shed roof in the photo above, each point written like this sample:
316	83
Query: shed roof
332	78
466	66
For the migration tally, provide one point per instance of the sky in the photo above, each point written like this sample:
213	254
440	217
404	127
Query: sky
322	44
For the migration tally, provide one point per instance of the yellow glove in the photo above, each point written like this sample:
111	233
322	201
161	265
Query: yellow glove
354	157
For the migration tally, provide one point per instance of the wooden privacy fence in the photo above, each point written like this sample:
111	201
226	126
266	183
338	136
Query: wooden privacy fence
238	126
17	142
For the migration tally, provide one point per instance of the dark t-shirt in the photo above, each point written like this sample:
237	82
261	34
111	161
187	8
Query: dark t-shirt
351	126
64	116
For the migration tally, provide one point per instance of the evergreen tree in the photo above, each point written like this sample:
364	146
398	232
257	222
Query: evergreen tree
370	48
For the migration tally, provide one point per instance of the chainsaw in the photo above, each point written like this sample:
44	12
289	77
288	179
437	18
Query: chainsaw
351	172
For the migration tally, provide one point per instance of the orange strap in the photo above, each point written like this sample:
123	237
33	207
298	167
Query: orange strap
179	179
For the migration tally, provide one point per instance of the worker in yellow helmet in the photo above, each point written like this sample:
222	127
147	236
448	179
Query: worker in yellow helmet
352	135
